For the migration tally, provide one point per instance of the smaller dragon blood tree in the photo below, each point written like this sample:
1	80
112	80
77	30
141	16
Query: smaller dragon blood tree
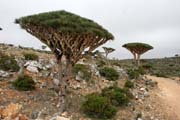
0	28
108	50
137	49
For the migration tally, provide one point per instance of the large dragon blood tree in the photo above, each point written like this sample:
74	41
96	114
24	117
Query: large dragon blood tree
68	36
137	49
0	28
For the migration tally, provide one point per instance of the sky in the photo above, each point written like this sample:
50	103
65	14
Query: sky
156	22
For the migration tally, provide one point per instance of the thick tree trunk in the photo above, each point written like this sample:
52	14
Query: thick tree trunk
62	85
65	74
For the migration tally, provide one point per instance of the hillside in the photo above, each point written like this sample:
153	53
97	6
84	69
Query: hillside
142	99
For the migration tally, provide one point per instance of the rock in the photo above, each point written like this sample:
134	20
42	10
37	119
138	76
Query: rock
33	66
146	94
34	114
139	119
59	118
142	89
32	69
56	82
21	117
4	74
80	76
11	111
150	83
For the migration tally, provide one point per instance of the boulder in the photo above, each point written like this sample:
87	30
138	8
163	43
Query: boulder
4	74
32	69
33	66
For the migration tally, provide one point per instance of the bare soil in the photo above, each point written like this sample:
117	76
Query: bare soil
169	93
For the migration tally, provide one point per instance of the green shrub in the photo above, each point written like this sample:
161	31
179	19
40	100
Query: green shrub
117	96
141	70
8	63
160	74
133	74
24	83
147	66
98	106
129	84
101	63
31	56
109	73
84	69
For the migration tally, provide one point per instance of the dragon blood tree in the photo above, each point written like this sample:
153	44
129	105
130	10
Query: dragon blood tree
108	50
0	28
137	49
68	36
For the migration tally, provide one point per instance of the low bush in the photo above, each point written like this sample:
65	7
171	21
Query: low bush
129	84
98	106
147	66
8	63
100	63
117	96
31	56
109	73
160	74
24	83
133	74
84	69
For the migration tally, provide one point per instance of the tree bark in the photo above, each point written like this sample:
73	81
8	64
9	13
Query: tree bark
135	58
138	59
62	85
65	75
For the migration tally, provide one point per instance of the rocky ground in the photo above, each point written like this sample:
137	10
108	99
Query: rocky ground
42	103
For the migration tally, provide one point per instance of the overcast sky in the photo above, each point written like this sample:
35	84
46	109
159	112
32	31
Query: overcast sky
156	22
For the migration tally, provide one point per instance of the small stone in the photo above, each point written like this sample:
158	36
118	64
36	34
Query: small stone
56	82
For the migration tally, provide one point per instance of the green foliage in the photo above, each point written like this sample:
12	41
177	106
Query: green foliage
147	66
31	56
117	96
8	63
109	73
101	63
129	84
24	83
133	74
137	45
84	69
65	22
98	106
160	74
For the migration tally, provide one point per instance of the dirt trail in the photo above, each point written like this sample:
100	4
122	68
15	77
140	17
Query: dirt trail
170	93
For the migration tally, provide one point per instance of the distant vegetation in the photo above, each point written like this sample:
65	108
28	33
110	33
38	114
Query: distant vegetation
164	67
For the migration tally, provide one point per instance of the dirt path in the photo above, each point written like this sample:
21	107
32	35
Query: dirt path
170	94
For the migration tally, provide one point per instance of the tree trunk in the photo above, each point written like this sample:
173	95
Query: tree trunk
135	58
65	74
138	59
62	85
